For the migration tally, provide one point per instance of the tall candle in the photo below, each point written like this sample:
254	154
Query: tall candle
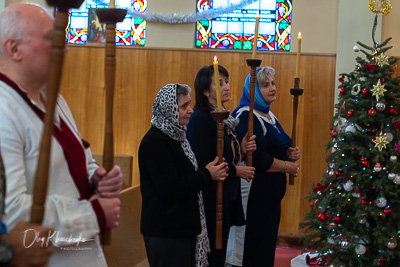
255	39
298	54
112	4
217	89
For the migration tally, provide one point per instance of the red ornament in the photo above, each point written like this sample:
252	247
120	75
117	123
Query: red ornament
319	187
342	91
338	173
382	261
321	217
350	113
364	202
337	219
387	211
364	92
364	162
396	124
334	133
392	111
372	112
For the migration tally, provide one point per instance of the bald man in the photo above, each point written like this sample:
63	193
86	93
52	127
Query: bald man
82	197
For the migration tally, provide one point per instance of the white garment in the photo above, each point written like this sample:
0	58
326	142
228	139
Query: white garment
234	250
20	135
260	118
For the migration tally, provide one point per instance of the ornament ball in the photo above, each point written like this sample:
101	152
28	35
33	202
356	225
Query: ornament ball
322	217
377	167
356	48
372	112
391	176
392	245
360	249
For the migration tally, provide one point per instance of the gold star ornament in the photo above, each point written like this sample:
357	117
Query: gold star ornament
381	60
380	142
378	90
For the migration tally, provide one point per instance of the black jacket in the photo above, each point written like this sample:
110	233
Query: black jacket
169	185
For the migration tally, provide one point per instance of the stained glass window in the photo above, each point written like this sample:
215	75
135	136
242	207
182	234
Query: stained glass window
235	30
84	26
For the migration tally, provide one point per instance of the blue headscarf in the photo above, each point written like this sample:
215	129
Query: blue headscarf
259	102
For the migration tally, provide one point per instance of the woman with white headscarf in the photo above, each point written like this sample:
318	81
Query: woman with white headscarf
172	222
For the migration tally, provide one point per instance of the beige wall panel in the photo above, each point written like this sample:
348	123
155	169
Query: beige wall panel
390	28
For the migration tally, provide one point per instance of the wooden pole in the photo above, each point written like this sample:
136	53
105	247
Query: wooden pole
110	16
219	117
253	64
53	85
296	92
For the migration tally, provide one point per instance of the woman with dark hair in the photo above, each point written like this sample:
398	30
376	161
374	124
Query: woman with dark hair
273	159
202	135
172	223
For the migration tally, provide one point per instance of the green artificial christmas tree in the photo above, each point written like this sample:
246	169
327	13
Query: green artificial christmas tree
354	218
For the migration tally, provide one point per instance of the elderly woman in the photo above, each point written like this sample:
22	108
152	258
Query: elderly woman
273	159
202	135
172	222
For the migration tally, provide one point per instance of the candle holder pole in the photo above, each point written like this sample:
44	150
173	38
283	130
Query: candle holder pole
53	86
110	16
219	116
253	64
296	92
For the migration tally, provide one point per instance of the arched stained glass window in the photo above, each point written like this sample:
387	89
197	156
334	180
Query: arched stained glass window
84	26
235	30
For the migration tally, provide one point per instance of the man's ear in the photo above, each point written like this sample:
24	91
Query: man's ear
11	48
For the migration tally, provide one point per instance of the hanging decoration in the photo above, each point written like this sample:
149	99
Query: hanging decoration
180	18
380	142
380	6
378	90
381	60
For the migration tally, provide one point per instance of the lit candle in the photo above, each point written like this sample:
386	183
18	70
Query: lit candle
112	4
255	39
216	78
298	54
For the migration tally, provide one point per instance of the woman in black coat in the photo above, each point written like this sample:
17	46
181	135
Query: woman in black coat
202	135
172	221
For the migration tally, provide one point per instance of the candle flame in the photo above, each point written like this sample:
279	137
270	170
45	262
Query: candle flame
299	35
215	59
258	14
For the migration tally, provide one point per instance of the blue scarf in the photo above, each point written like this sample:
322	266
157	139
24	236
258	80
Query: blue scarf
259	102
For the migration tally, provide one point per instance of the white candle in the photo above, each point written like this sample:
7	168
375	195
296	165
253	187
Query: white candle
255	39
217	89
298	54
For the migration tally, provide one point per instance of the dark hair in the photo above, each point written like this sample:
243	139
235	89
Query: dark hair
202	83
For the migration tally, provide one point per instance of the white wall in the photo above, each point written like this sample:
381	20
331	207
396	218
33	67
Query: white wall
355	22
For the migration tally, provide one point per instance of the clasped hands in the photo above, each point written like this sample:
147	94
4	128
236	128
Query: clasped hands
108	185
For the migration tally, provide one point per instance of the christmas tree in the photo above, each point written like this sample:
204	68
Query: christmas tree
354	218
